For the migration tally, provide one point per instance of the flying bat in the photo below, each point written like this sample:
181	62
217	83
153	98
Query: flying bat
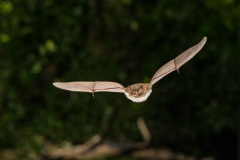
137	92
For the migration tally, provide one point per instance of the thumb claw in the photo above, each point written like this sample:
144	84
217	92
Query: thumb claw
93	93
177	69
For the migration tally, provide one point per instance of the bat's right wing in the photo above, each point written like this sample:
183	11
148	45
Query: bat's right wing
176	63
91	86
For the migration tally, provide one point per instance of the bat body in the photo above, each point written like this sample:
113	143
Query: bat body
137	92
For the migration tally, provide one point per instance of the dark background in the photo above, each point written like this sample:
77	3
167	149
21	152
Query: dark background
125	41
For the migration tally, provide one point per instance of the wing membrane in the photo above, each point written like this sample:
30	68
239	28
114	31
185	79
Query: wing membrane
90	86
176	63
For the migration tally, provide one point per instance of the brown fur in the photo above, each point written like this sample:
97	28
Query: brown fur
137	87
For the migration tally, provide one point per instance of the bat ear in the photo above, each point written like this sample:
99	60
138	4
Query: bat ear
140	89
130	88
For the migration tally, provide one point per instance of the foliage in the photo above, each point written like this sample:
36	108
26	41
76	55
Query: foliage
125	41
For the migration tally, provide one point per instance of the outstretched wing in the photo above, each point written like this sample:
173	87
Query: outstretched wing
91	86
176	63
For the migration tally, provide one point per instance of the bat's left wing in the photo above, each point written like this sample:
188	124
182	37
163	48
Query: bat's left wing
176	63
91	87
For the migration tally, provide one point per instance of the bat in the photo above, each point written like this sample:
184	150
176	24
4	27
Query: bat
137	92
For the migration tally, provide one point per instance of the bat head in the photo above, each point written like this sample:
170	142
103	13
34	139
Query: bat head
138	92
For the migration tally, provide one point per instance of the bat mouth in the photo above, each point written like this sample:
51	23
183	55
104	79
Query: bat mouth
135	94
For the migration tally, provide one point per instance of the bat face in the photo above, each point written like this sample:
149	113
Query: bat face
138	92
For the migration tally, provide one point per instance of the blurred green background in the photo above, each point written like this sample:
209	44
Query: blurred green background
125	41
